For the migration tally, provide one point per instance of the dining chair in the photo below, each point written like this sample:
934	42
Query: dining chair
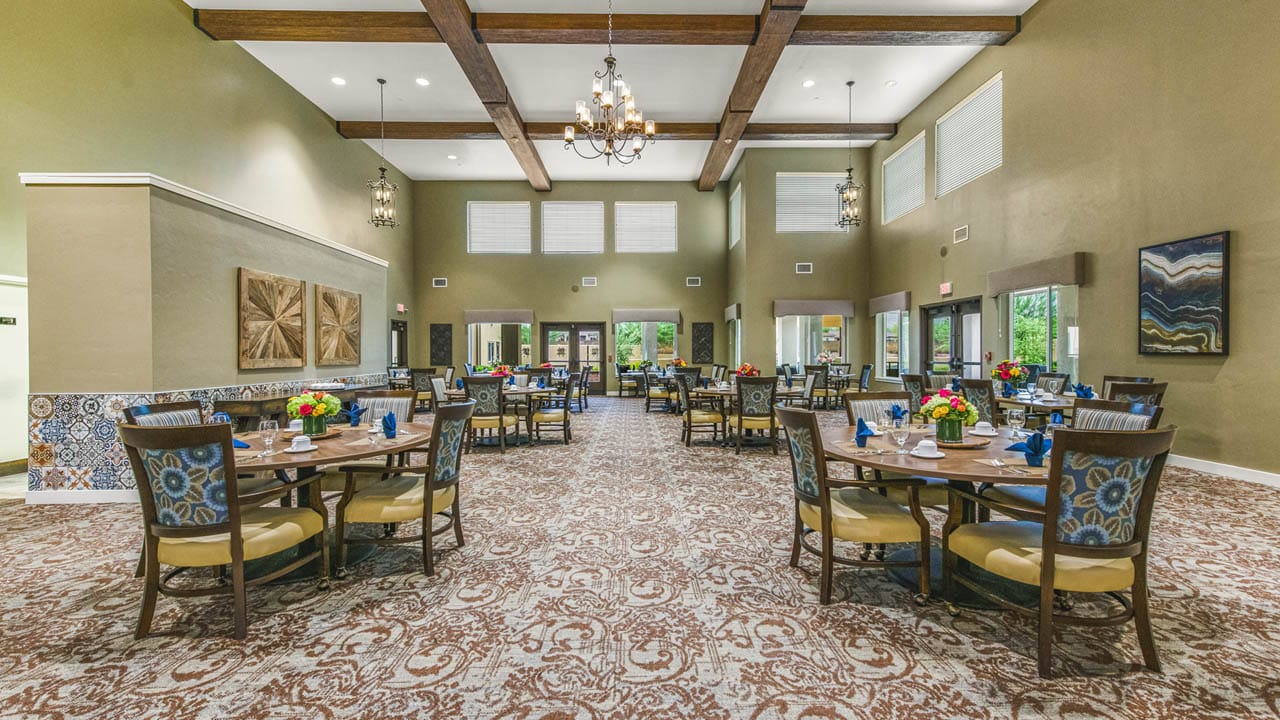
414	493
693	417
915	385
420	382
654	389
1093	536
540	373
864	377
1144	393
871	407
1108	380
821	386
583	389
1053	382
400	402
469	369
439	392
937	381
448	375
756	399
556	414
981	395
186	480
490	411
626	381
849	510
787	372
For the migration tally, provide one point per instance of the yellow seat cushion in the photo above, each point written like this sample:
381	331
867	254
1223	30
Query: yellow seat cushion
860	515
554	415
257	483
265	530
424	395
933	494
1013	550
824	392
492	421
660	394
752	423
1028	496
705	417
395	501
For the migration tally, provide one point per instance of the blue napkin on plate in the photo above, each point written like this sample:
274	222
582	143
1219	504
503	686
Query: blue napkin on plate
705	383
955	385
238	443
354	412
1007	390
220	417
1056	418
459	383
862	433
389	425
511	380
899	412
1033	449
1083	391
542	381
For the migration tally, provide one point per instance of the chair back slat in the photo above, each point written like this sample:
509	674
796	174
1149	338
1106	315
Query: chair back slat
872	406
400	402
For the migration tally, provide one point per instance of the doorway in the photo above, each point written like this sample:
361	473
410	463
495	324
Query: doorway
576	347
951	338
398	353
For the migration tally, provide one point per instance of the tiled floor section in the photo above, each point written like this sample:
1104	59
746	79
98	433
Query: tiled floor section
626	576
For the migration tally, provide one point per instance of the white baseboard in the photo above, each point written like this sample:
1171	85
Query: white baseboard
1232	471
62	497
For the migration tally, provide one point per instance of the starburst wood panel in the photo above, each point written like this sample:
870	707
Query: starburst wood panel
273	320
337	326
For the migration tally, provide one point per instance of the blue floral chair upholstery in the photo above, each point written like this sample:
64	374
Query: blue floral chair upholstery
490	413
757	397
1093	537
916	386
981	395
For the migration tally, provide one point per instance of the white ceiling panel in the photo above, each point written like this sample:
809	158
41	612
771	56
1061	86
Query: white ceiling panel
309	67
680	83
916	72
669	160
476	159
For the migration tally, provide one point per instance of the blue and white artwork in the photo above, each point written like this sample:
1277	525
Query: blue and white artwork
1182	297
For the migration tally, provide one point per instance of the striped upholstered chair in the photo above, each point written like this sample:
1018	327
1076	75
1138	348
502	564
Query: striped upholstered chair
375	403
1144	393
1092	538
871	407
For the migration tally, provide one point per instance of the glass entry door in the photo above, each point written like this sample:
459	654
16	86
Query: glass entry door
952	338
576	347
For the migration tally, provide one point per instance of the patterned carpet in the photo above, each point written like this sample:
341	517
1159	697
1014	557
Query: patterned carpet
626	576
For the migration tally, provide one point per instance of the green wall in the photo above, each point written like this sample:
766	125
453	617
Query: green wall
543	283
1125	124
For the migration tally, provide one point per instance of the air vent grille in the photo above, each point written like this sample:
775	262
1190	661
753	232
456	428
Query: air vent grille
960	234
589	282
693	281
804	268
439	282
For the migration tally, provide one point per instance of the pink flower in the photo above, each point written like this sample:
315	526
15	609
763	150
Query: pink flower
926	399
944	393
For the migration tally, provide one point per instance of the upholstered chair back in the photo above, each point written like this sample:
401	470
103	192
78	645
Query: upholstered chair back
980	394
447	433
915	385
1114	415
819	372
864	377
1144	393
808	468
400	402
1107	381
186	412
184	474
757	396
937	381
872	406
1055	383
487	392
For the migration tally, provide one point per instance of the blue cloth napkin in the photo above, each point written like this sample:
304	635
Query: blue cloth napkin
1007	390
1056	418
389	425
220	417
511	380
354	412
458	383
1083	391
955	385
788	379
899	412
705	383
862	433
542	381
1033	449
238	443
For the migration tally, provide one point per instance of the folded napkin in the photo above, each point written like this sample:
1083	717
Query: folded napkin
1056	418
238	443
863	432
955	385
459	383
899	412
1083	391
354	412
1033	449
511	380
220	417
389	425
542	381
705	383
1007	390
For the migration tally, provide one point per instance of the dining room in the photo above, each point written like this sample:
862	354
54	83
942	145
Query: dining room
632	358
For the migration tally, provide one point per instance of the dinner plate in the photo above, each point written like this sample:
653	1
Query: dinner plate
302	450
993	433
935	456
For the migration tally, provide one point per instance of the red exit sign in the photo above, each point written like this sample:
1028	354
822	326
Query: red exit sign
944	289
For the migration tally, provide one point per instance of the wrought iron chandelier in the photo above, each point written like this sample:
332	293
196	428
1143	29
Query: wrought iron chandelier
382	192
615	127
850	191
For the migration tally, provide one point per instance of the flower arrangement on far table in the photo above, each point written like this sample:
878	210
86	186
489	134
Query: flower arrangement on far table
951	412
826	358
313	408
1009	371
500	371
747	370
546	365
679	362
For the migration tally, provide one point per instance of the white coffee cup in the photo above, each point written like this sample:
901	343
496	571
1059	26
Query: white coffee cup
871	425
295	425
927	447
300	442
983	427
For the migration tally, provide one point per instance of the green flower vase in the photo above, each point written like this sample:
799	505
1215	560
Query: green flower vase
314	425
950	430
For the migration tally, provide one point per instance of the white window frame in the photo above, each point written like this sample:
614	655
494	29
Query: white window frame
638	245
516	228
904	339
812	209
885	218
735	216
941	145
584	225
1051	308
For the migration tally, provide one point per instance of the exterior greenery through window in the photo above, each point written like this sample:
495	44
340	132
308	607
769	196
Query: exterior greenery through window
893	344
639	341
801	339
1033	334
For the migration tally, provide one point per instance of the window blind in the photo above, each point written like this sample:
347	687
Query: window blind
644	227
902	177
498	227
572	227
735	216
807	202
970	137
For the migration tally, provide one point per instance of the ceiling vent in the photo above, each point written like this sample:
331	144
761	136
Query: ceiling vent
439	282
693	281
804	268
960	234
589	282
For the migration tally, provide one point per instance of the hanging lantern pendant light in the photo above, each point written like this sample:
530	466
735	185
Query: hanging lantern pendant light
850	192
382	192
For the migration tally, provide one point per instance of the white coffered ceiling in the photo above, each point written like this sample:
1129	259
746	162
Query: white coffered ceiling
672	83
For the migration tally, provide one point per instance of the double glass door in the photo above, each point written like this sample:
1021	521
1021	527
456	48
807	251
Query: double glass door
576	347
952	338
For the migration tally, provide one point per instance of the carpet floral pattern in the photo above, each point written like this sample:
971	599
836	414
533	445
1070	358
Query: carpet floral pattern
626	576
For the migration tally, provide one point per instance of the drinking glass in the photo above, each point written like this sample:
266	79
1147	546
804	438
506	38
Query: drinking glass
1017	418
886	418
900	431
375	424
267	430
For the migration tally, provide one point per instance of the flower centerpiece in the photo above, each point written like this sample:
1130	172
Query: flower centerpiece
313	408
545	365
826	358
1009	371
679	362
951	413
500	371
748	370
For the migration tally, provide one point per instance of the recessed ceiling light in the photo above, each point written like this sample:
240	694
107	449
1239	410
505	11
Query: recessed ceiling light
890	83
453	157
423	82
808	83
337	80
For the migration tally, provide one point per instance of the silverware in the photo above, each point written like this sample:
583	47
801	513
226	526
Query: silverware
1006	466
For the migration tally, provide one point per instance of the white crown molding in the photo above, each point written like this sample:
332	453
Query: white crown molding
1234	472
178	189
78	497
13	280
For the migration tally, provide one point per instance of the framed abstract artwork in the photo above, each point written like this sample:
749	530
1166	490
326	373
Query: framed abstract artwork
337	327
1182	296
272	320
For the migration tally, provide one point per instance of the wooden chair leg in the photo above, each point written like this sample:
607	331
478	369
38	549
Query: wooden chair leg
773	439
150	590
795	537
1142	615
1044	644
828	552
241	602
428	566
457	520
340	535
565	428
502	439
142	561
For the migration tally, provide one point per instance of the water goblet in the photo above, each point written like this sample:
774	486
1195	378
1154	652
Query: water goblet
267	430
375	424
1017	418
900	432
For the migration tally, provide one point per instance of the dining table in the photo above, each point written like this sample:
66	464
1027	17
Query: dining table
1039	404
346	444
963	469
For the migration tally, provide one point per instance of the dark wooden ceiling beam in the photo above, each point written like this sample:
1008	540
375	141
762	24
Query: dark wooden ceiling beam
591	29
452	19
679	131
778	19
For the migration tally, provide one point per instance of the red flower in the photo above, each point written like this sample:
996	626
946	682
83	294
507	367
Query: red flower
1004	374
944	393
925	400
305	410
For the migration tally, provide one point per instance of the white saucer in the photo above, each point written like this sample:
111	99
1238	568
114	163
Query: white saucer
993	433
928	457
302	450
